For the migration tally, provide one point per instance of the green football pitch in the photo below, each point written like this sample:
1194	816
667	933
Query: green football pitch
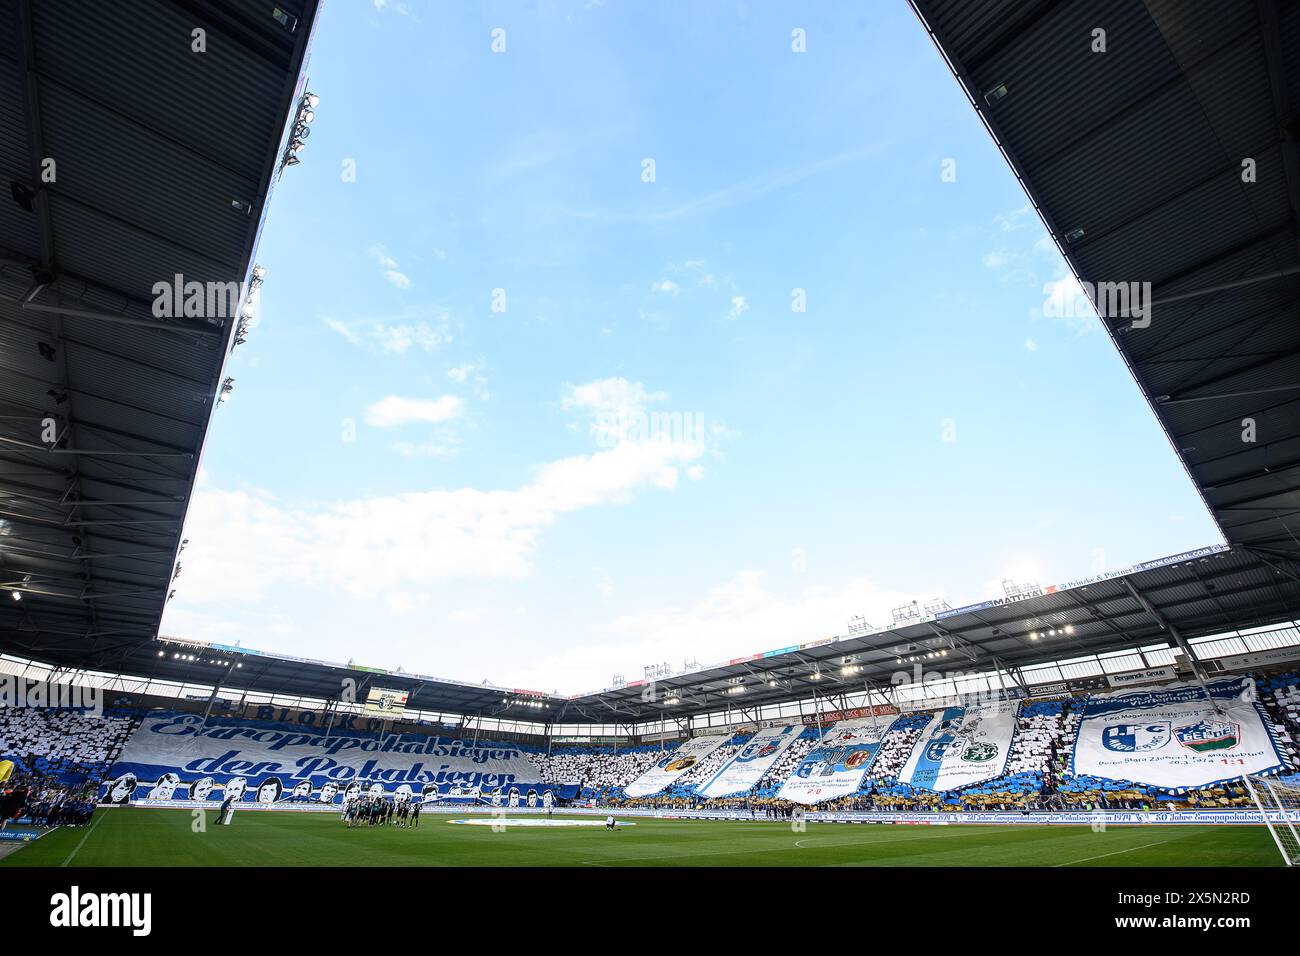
165	838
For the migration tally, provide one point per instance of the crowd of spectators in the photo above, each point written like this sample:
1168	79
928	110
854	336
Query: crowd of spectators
598	772
59	757
44	803
70	746
1037	774
695	778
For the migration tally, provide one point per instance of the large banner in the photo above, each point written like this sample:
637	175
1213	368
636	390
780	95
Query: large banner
177	757
960	746
839	762
671	767
1174	738
754	759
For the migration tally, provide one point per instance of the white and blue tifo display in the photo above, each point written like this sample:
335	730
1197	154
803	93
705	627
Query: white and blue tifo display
748	766
839	762
179	757
1174	738
674	765
960	746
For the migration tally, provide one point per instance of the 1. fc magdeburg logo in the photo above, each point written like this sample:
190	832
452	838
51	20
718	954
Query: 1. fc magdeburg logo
1135	738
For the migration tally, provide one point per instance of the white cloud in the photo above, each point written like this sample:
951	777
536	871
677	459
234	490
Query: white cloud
1015	219
740	616
462	372
1064	300
392	273
699	267
1031	345
425	328
399	338
615	397
665	287
247	545
342	329
396	410
738	307
399	8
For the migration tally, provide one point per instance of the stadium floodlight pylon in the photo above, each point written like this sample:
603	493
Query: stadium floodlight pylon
1279	805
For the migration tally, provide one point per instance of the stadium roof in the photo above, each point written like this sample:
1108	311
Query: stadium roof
1190	595
133	149
1138	158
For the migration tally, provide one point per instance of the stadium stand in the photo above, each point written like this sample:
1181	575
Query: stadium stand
702	772
66	746
599	772
58	754
1280	695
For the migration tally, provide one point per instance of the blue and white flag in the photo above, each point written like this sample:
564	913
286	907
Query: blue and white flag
1175	737
751	762
960	746
671	767
839	762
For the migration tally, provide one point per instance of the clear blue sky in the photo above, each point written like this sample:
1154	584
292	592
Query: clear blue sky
404	476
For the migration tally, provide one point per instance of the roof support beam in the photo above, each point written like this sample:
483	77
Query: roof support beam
1226	286
57	308
1192	660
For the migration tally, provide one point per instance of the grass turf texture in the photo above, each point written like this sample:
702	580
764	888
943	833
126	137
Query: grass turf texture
164	838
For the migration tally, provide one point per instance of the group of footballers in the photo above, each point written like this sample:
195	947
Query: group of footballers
376	811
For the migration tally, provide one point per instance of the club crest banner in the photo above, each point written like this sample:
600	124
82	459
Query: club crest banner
1174	738
754	759
960	746
671	767
178	757
839	762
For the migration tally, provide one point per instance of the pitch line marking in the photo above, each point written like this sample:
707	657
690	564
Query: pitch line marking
1116	853
89	830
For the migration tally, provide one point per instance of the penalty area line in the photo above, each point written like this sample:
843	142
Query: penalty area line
1116	853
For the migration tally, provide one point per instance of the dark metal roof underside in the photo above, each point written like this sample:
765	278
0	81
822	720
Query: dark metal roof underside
1145	148
162	162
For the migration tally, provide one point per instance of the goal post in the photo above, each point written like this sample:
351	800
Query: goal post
1279	806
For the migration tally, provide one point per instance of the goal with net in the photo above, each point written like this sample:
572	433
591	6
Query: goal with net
1279	805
